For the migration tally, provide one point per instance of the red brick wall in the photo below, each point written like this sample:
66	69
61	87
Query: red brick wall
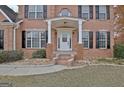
91	25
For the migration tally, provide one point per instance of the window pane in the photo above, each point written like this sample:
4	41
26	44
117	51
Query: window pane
102	9
32	15
101	15
102	12
43	39
39	8
85	9
35	39
31	8
102	39
65	12
28	36
85	15
85	12
85	39
39	15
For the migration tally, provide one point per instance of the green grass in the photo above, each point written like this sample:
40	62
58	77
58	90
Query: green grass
101	76
110	61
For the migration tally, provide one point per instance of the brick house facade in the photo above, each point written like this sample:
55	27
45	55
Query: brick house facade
85	30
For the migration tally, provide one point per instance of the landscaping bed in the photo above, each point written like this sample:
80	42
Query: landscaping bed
33	61
109	61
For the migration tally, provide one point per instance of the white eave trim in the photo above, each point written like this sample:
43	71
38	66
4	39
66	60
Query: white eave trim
67	18
6	16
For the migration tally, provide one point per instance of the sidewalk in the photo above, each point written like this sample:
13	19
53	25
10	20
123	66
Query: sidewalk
21	70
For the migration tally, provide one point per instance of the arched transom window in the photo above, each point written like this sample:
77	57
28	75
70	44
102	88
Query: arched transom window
64	12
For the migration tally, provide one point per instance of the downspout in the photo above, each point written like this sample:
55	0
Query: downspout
14	34
14	37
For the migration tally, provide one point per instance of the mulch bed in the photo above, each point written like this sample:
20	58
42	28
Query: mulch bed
34	61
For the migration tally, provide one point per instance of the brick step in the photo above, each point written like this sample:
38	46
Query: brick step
65	56
62	62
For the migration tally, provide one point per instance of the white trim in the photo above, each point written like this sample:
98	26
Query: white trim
103	30
80	32
67	18
49	32
6	16
35	29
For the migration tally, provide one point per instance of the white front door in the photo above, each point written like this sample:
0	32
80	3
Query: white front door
64	40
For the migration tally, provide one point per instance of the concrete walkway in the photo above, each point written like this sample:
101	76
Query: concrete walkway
21	70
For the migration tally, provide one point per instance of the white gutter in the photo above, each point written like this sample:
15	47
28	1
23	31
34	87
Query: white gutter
14	34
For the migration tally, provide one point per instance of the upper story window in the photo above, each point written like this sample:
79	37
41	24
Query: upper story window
85	11
102	12
35	12
65	12
1	39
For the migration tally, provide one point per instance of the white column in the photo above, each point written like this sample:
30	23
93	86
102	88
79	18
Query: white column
49	32
14	39
80	32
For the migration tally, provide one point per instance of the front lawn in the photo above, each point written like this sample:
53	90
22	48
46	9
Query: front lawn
88	76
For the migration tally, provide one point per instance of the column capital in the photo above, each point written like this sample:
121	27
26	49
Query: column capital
49	22
80	22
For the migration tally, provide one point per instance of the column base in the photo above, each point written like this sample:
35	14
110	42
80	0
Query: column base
49	51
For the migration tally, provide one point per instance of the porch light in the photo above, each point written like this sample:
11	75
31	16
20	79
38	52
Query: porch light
65	22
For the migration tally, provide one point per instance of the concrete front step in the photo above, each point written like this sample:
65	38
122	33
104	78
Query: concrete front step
64	58
63	62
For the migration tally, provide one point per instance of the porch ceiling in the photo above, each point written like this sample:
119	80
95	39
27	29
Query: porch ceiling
70	22
65	23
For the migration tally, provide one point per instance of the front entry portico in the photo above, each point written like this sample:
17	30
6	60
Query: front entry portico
64	34
64	40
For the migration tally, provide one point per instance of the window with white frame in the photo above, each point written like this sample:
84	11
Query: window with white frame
101	40
65	12
85	12
102	12
35	12
1	39
85	39
35	39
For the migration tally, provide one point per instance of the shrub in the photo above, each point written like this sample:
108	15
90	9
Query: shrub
119	51
3	56
14	55
9	56
39	54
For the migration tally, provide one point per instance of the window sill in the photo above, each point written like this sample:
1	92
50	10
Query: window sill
33	48
36	19
102	48
86	48
103	19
